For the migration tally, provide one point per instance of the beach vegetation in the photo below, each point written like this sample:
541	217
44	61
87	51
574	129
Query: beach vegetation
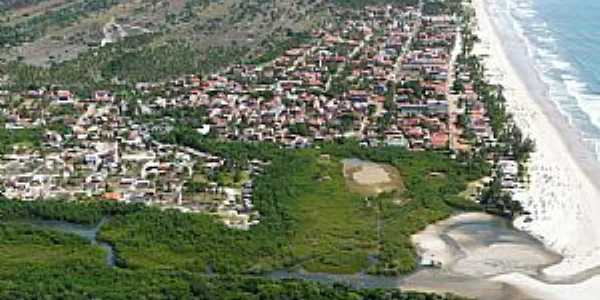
511	143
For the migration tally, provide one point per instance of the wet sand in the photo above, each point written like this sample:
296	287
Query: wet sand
474	248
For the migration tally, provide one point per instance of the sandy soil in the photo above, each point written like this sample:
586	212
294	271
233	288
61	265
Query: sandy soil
371	174
370	178
474	248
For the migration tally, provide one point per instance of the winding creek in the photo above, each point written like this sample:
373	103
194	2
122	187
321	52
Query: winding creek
88	232
473	249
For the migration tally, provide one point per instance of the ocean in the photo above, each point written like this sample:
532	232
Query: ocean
563	42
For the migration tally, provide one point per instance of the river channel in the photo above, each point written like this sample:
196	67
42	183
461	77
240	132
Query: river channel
472	249
89	232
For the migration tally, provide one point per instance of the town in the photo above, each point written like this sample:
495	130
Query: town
383	75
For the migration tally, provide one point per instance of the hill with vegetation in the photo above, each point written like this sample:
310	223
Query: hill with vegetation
84	45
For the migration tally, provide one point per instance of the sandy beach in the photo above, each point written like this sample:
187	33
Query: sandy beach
473	248
563	200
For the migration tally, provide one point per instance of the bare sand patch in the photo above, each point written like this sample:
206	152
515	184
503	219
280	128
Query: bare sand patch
371	174
369	178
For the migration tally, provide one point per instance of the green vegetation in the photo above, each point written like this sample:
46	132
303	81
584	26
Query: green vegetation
37	26
362	3
43	264
23	245
14	4
436	7
135	59
142	58
16	137
511	142
275	48
309	218
82	212
192	117
432	184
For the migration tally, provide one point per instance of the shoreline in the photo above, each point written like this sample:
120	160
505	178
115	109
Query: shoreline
563	198
474	248
560	197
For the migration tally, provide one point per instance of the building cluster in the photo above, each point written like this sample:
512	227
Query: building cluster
92	148
381	75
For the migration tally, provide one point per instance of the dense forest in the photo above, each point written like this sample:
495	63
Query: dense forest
41	264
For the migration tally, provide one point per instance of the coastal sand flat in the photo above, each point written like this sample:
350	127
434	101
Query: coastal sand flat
473	248
479	245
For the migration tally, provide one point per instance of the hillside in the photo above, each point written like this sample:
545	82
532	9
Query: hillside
91	44
44	31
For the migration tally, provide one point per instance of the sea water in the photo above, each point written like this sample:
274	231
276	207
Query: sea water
563	43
